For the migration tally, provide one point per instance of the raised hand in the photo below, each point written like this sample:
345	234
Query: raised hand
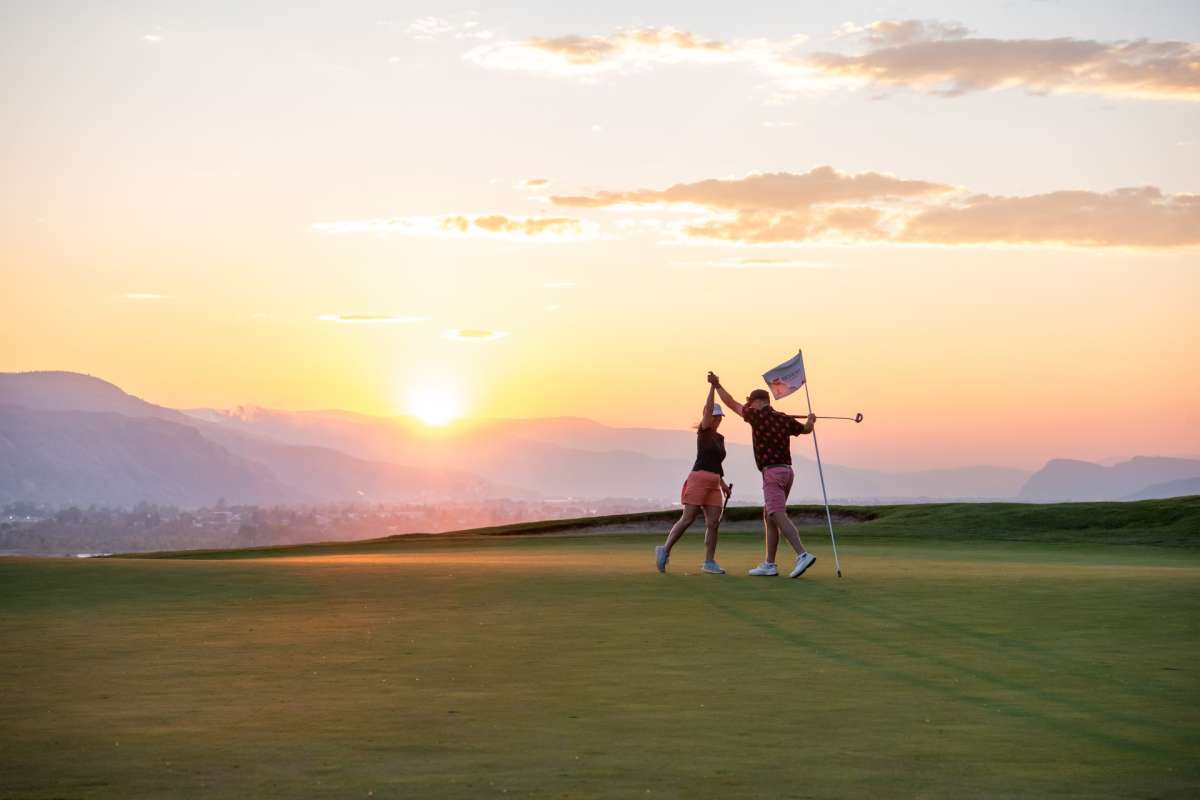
713	379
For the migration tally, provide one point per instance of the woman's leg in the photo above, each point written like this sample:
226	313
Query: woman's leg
685	520
712	521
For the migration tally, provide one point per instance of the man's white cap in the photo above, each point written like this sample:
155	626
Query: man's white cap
717	412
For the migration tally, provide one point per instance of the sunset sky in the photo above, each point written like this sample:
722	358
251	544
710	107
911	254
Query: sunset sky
980	221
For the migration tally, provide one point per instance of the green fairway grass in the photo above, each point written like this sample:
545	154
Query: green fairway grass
990	651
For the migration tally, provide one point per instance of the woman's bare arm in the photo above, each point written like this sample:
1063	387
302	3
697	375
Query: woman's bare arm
706	422
726	397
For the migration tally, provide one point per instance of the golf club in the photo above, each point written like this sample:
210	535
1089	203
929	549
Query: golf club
856	418
728	495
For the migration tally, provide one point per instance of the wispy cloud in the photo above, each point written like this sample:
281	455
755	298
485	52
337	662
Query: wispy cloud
626	50
371	319
1133	217
474	335
426	28
889	32
547	229
825	205
946	61
778	207
757	263
152	38
928	56
774	190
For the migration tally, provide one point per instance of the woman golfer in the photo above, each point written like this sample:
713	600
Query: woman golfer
704	490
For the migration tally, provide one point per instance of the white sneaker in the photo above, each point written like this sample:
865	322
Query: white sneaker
765	568
803	562
712	568
661	557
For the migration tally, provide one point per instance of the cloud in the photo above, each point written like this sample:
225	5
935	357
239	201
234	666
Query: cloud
534	183
529	226
929	56
913	55
553	229
474	335
1132	217
888	32
370	319
772	190
825	205
626	50
428	28
779	206
754	227
757	263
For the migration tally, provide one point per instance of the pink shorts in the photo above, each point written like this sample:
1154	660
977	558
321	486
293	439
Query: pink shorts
702	489
777	482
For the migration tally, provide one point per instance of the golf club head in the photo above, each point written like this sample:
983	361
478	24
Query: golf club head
858	417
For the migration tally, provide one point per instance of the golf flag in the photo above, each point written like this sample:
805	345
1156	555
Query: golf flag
786	378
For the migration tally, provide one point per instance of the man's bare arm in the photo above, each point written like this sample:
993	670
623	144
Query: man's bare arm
807	426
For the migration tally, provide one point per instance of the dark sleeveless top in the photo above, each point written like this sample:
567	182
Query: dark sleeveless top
710	451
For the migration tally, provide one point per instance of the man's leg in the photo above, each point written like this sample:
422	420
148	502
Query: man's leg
771	495
784	524
770	537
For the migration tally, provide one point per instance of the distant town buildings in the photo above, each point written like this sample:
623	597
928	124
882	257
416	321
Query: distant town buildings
32	529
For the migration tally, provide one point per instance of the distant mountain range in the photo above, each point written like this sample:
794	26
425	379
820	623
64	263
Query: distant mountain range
71	438
568	456
1138	478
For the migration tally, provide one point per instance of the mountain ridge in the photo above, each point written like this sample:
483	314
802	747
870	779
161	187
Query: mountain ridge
332	454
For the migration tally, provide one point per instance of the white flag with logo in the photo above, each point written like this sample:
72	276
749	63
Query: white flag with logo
786	378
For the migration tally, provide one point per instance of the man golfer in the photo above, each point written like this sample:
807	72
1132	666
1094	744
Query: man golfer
772	432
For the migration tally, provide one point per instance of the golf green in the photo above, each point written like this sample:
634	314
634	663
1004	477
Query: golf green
565	666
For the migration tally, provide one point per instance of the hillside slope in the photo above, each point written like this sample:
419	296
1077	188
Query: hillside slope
81	458
75	439
72	391
1173	523
1068	479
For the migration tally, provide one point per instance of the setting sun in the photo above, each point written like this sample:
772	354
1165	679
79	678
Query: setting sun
435	404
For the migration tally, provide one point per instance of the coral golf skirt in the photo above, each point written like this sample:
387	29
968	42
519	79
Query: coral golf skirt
702	488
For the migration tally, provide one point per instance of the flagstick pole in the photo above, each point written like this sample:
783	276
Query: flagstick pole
824	494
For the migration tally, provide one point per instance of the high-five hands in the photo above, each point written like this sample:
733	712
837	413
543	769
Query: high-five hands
713	379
